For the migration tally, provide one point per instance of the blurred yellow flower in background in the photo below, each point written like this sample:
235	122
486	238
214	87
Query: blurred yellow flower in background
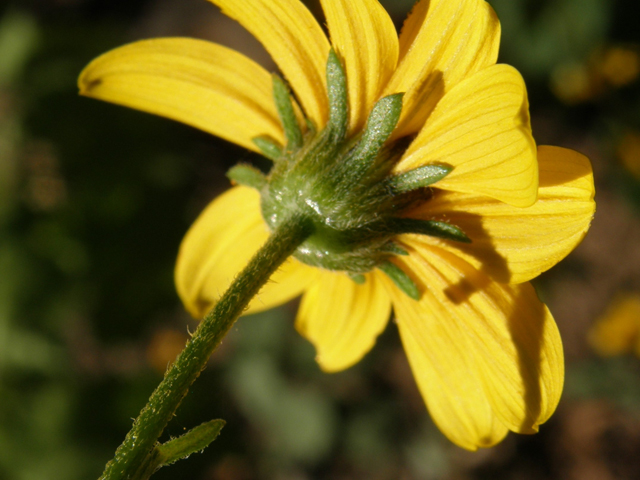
607	68
485	352
164	346
629	152
573	83
620	65
617	331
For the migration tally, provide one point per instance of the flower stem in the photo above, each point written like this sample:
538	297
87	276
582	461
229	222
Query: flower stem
142	439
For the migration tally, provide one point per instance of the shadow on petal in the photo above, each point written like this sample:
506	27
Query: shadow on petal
551	177
491	263
420	102
529	359
482	248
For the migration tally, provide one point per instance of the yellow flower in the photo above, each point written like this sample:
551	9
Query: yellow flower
629	152
620	65
485	352
617	332
614	66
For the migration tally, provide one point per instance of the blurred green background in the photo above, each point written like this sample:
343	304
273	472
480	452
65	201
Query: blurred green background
95	198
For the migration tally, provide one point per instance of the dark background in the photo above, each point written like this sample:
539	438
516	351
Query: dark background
95	198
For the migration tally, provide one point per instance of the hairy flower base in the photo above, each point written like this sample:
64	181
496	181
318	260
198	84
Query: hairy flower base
345	185
484	350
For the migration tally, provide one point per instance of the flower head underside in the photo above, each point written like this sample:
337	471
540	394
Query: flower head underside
414	157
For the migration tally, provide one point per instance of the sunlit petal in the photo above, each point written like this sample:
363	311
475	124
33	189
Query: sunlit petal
296	43
219	245
343	319
481	128
441	43
364	36
467	325
514	245
444	369
198	83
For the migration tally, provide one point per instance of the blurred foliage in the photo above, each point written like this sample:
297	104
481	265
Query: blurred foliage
94	200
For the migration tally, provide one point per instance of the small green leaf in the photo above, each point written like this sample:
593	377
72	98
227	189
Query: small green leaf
358	278
337	93
269	147
395	249
311	128
380	124
149	466
401	279
247	175
284	105
432	228
195	440
418	178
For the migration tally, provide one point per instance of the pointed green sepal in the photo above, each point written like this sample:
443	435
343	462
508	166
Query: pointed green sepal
401	279
395	249
380	124
287	114
357	278
195	440
432	228
337	94
269	147
247	175
418	178
311	127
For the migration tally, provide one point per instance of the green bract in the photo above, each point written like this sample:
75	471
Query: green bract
344	185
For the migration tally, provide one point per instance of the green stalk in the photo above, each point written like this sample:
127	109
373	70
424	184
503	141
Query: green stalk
140	443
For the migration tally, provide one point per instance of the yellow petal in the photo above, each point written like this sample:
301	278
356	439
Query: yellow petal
481	128
441	43
364	36
342	319
199	83
219	245
514	245
442	369
296	43
479	342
